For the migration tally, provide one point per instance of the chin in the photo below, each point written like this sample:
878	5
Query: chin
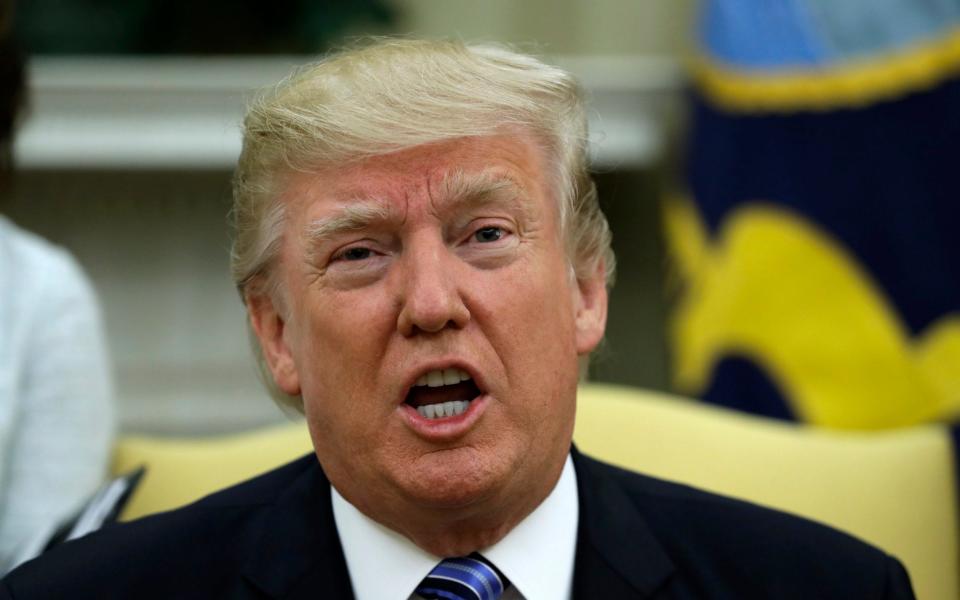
454	479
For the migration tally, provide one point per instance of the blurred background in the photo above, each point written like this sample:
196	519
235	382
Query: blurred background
780	183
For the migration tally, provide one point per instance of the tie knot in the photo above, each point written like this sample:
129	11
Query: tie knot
465	578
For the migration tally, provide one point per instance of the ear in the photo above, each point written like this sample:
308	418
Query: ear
269	326
590	303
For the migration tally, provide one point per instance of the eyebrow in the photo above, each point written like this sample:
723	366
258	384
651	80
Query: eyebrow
459	187
456	189
462	190
352	217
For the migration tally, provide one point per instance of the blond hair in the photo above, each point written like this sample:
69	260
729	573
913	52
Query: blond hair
393	94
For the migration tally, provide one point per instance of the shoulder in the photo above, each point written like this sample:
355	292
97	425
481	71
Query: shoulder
22	250
200	547
262	490
727	543
673	507
39	271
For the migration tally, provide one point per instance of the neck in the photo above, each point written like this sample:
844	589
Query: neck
458	531
458	535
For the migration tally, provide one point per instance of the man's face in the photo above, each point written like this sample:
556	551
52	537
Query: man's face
433	264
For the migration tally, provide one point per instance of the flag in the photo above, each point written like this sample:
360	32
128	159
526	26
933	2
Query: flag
817	242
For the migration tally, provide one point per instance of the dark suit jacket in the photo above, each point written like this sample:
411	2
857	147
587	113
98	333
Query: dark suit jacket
274	537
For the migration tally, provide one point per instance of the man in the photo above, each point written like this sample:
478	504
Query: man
424	264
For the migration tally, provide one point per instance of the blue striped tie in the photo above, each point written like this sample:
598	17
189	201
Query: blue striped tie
467	578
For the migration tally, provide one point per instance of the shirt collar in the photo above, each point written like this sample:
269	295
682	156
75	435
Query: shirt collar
536	556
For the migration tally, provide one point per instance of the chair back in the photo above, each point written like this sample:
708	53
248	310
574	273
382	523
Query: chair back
894	489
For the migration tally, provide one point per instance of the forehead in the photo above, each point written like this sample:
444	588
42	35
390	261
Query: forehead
432	172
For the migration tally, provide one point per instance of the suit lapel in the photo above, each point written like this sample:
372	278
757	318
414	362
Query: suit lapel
617	554
296	552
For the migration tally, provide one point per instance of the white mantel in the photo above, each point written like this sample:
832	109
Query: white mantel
184	112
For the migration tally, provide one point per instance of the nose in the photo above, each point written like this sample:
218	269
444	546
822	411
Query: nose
430	300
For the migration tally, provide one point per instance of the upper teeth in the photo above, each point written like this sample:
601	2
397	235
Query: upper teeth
442	377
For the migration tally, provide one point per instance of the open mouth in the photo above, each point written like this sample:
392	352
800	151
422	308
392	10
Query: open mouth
442	393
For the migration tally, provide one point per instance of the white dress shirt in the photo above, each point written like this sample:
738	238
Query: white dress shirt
536	556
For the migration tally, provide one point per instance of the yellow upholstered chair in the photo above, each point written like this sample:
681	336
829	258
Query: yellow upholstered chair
894	489
181	470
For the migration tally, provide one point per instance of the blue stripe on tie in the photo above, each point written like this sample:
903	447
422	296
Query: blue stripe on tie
491	580
465	578
468	576
439	594
460	582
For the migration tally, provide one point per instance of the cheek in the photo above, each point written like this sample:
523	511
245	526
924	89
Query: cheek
339	364
547	300
342	342
534	316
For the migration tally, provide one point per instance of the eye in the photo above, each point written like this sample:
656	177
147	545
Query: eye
488	234
354	254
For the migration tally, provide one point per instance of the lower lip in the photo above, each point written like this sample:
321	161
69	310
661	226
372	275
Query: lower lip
444	429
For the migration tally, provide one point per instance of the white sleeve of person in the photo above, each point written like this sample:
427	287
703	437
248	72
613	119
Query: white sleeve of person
56	412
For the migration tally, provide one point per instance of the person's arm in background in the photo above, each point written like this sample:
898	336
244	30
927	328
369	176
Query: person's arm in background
61	425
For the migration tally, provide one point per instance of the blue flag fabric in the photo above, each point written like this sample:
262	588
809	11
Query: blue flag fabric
817	243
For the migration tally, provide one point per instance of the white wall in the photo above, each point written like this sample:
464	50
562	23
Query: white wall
581	27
